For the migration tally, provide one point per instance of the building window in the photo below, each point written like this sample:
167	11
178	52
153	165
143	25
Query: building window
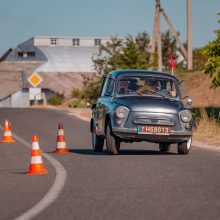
26	54
20	54
97	42
31	54
75	41
53	41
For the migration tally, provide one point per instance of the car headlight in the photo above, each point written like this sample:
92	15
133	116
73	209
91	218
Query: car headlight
186	116
121	112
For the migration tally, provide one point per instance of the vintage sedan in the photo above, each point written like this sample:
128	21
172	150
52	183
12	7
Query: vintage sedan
141	105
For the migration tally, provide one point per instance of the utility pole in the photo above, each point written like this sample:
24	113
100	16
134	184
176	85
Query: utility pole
159	45
156	37
189	35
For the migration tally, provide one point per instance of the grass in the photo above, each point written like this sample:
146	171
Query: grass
207	128
212	112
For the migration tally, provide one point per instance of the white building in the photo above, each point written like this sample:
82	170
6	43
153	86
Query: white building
59	54
60	61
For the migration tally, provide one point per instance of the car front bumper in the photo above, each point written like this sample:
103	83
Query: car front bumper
131	134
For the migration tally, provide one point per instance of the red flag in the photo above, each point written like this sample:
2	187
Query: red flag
172	62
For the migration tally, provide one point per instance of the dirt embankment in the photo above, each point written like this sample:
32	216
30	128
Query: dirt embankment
198	85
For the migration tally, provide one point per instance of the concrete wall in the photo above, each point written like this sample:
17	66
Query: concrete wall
41	41
20	99
6	102
16	100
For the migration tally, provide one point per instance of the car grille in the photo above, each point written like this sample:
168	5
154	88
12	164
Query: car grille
153	121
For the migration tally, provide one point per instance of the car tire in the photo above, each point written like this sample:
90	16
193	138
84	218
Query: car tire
184	147
164	147
112	143
97	142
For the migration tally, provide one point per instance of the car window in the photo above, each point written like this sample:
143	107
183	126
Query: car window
107	89
104	87
147	85
110	87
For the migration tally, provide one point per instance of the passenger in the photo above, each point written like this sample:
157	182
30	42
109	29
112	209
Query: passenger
123	87
173	93
133	85
149	85
169	93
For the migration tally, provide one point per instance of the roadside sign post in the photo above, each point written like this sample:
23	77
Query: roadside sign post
35	79
35	93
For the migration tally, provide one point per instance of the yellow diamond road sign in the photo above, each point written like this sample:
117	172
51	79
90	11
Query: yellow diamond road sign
35	79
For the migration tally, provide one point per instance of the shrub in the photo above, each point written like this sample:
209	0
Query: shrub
56	99
77	93
92	90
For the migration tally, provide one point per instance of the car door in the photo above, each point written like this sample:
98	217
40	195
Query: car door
104	103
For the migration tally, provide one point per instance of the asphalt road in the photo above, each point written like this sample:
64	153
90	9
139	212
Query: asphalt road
140	183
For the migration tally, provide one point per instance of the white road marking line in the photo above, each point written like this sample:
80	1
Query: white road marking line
54	191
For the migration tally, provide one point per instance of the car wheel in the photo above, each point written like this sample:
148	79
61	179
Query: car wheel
184	147
164	147
112	143
97	142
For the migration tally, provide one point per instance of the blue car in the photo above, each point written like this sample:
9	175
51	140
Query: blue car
141	105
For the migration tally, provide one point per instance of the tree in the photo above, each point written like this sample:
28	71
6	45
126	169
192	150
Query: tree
129	53
133	55
106	60
143	41
199	59
212	67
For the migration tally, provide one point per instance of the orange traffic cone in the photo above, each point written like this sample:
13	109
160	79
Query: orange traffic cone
61	143
7	136
36	166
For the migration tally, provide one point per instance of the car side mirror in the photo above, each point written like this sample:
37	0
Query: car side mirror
189	102
93	106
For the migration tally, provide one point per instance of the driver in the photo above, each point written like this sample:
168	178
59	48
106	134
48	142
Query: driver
149	85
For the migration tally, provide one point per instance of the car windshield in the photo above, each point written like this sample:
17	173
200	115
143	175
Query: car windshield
146	85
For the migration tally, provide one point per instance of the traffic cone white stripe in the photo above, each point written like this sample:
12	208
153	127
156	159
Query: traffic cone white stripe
35	146
7	133
36	160
60	132
61	145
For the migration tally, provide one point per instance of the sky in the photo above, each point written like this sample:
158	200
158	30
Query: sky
22	19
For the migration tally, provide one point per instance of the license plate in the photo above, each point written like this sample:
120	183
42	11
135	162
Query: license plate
154	130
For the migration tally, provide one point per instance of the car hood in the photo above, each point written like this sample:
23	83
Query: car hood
148	104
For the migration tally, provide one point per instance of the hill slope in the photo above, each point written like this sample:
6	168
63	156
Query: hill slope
199	90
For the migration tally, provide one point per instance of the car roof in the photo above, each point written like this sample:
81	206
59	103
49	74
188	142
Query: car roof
117	73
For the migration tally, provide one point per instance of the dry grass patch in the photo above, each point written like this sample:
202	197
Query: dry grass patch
207	129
